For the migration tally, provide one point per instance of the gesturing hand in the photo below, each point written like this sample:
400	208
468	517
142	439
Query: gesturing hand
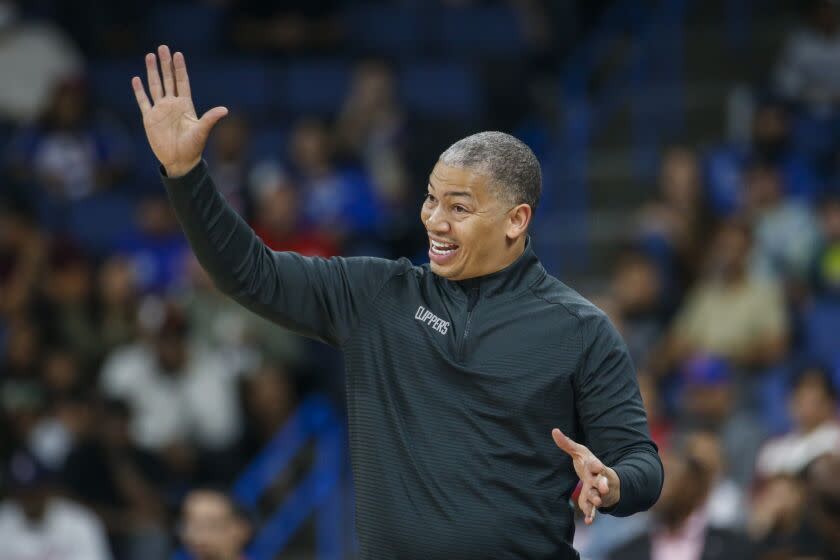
600	486
176	135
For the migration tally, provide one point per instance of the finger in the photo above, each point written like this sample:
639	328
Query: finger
594	497
210	118
587	508
593	465
140	94
182	80
564	442
603	485
153	77
166	70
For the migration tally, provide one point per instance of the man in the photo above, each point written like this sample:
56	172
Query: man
457	371
36	523
812	404
683	529
730	313
213	526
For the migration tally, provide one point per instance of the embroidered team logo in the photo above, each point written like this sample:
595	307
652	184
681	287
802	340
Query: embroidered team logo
425	316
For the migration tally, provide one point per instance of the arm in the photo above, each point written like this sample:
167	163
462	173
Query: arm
315	297
622	473
613	419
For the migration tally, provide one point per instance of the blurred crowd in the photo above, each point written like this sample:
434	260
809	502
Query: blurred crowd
130	388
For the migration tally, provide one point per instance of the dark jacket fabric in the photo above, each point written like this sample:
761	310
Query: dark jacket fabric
452	388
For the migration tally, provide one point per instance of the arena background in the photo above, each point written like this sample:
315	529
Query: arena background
690	156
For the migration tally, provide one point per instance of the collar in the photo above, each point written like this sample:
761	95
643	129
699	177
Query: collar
514	278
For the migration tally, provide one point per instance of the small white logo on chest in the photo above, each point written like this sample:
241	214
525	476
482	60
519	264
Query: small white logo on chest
425	316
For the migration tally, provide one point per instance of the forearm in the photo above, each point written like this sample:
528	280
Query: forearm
315	297
640	477
222	242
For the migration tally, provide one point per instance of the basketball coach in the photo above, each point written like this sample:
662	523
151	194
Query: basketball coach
480	389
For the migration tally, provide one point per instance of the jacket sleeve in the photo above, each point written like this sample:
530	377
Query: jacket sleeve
613	419
316	297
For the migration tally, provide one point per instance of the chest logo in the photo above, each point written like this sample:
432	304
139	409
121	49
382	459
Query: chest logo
425	316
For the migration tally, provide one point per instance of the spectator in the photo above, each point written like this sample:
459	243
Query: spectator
771	145
35	523
179	392
784	230
776	516
61	371
268	397
729	313
38	55
786	528
156	249
820	532
69	152
277	216
726	506
807	71
674	226
23	249
825	268
243	338
23	346
23	405
370	129
638	295
813	408
227	158
68	300
213	526
116	309
334	200
682	530
709	402
119	481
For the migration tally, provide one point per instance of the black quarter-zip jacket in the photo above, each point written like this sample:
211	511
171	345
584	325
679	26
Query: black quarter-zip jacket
452	388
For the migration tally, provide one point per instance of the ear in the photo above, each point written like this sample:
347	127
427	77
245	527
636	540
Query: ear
519	218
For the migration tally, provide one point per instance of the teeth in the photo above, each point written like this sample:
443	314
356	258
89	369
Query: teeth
442	248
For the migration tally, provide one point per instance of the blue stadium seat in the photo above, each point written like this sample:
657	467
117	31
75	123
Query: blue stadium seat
822	330
384	29
442	91
192	28
268	142
100	219
317	87
479	31
241	85
110	83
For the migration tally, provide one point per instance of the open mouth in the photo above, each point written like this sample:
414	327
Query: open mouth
443	249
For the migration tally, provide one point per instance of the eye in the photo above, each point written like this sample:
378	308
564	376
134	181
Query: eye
428	197
458	209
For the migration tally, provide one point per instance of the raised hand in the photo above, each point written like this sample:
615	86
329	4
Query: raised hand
600	485
176	135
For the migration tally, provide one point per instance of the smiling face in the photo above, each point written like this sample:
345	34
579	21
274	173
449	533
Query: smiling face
471	231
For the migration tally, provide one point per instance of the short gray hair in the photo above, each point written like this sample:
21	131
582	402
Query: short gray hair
511	166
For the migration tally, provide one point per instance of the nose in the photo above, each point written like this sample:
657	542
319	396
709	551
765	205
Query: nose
436	220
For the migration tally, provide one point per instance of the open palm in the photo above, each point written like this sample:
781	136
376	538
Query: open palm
176	135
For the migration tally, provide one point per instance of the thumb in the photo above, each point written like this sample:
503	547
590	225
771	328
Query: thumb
210	118
564	442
